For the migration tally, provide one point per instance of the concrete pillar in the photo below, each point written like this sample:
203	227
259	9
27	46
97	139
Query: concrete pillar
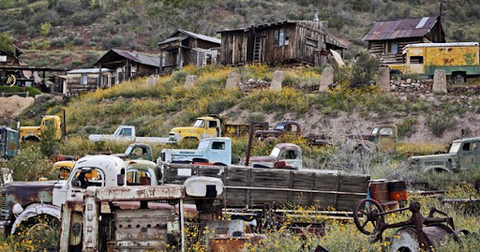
277	80
190	81
232	81
439	82
383	79
326	79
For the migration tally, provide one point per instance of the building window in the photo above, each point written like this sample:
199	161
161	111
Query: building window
84	80
416	60
311	42
392	47
279	38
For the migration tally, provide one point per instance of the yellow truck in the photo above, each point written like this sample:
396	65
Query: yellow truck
34	133
212	125
459	60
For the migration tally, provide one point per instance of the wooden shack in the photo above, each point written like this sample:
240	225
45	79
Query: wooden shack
10	57
387	39
85	80
282	42
127	65
184	48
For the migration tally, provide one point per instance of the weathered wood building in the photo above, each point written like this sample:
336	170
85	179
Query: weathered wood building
10	58
289	41
184	48
387	39
127	65
79	81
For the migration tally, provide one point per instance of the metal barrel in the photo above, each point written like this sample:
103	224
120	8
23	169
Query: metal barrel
397	190
379	191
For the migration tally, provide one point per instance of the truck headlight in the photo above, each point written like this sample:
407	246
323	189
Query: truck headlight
17	209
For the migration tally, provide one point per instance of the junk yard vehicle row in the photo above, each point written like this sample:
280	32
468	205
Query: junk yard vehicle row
120	202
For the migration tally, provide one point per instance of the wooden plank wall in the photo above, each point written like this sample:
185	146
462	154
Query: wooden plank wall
278	54
311	31
234	48
74	83
378	48
257	187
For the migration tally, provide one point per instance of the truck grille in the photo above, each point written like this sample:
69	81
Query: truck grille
4	212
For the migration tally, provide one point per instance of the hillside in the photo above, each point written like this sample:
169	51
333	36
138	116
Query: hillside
158	108
71	33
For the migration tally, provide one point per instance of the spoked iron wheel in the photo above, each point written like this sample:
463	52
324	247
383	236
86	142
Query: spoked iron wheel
366	215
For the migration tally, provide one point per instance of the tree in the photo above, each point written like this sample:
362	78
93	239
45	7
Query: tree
6	43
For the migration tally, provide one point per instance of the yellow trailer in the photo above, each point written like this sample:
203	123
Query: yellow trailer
459	60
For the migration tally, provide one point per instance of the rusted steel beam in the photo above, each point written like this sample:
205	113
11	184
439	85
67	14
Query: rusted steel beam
137	193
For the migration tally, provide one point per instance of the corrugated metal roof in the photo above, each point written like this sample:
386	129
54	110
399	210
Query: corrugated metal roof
87	71
190	34
142	58
403	28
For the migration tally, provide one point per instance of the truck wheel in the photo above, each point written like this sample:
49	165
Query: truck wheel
41	230
459	78
394	73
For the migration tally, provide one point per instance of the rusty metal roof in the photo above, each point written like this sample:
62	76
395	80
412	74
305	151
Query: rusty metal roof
174	36
403	28
141	58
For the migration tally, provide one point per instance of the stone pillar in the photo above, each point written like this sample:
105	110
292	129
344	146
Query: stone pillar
190	81
232	81
383	79
326	79
278	77
439	82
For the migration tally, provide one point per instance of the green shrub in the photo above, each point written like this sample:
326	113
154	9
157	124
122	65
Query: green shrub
16	89
29	164
438	123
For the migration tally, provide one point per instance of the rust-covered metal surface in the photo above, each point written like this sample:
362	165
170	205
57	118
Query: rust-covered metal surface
403	28
26	193
137	193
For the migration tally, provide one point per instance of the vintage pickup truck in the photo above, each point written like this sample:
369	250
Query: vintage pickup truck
25	202
283	155
383	137
126	133
217	150
462	155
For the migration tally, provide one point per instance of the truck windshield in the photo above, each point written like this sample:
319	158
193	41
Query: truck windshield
203	145
275	152
454	147
199	124
279	126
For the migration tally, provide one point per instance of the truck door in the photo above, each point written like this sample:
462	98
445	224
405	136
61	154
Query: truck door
218	153
213	129
466	155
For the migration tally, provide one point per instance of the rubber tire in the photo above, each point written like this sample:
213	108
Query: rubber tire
394	73
46	221
461	77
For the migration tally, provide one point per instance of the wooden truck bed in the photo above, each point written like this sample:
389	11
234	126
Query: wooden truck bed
258	187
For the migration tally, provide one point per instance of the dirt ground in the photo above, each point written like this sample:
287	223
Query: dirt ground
13	106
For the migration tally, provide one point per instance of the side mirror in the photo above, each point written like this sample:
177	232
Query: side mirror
120	179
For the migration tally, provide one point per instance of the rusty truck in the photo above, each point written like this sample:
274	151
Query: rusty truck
137	218
50	124
383	137
212	125
8	142
462	155
24	203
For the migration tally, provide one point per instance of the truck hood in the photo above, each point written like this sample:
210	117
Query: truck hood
26	193
434	157
261	132
178	130
259	159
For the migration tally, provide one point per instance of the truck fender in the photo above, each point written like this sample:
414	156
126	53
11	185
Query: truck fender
197	136
34	210
367	146
437	169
